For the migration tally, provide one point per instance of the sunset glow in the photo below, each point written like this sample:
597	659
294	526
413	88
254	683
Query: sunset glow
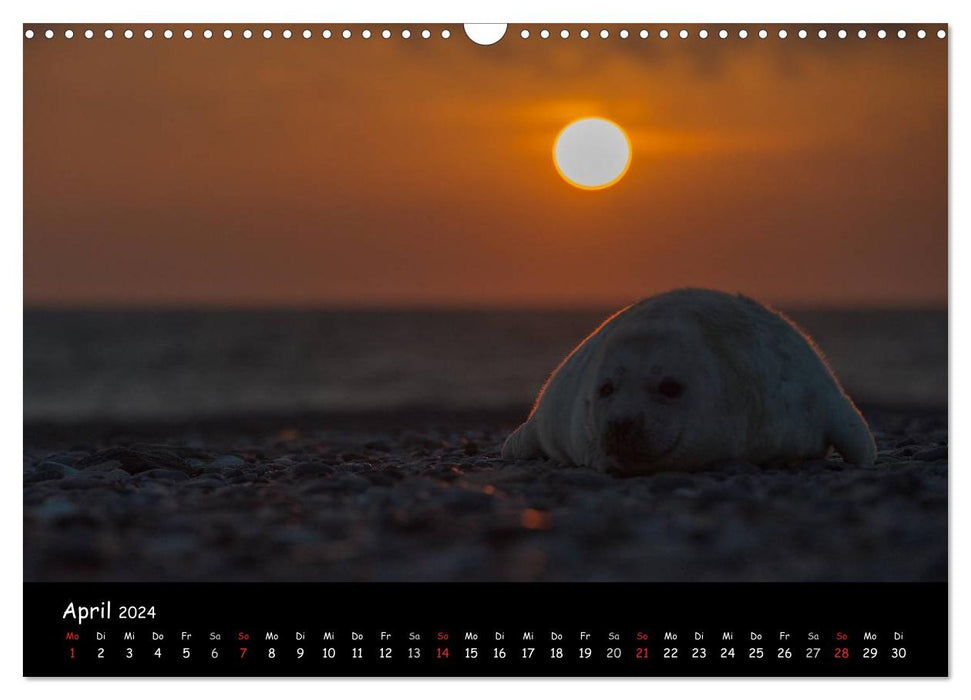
319	174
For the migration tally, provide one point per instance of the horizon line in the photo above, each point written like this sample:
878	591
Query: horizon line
201	307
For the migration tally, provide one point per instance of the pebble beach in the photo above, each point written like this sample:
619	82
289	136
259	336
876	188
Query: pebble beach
423	495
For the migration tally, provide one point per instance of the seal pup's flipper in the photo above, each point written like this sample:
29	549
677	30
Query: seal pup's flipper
850	435
522	444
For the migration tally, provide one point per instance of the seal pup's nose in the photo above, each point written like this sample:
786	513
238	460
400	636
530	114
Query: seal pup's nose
623	438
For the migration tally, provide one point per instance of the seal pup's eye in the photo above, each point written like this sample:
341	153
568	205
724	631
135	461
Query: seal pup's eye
670	388
606	389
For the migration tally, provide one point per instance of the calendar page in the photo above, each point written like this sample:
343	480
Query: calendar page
485	350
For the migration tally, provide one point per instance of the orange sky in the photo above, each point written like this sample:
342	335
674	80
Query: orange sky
377	173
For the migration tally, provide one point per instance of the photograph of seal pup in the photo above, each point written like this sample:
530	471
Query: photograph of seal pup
688	378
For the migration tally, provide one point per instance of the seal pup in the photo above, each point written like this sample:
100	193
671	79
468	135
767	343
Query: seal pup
688	378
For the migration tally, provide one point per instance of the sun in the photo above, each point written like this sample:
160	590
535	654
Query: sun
592	153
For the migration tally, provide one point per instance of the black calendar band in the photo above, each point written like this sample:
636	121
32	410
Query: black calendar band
485	629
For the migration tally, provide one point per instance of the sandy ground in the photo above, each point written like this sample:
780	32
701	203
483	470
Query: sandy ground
423	495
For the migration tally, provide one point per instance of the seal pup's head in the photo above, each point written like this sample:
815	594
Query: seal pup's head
652	391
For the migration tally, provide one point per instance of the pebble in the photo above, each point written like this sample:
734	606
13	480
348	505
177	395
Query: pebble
80	483
504	476
307	470
583	478
411	438
931	455
346	483
106	466
68	459
162	475
57	466
227	462
136	460
667	482
44	474
206	481
117	475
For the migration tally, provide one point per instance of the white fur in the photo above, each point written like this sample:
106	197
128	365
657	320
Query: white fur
695	377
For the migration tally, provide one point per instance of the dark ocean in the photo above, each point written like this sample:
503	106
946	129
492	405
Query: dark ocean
141	365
